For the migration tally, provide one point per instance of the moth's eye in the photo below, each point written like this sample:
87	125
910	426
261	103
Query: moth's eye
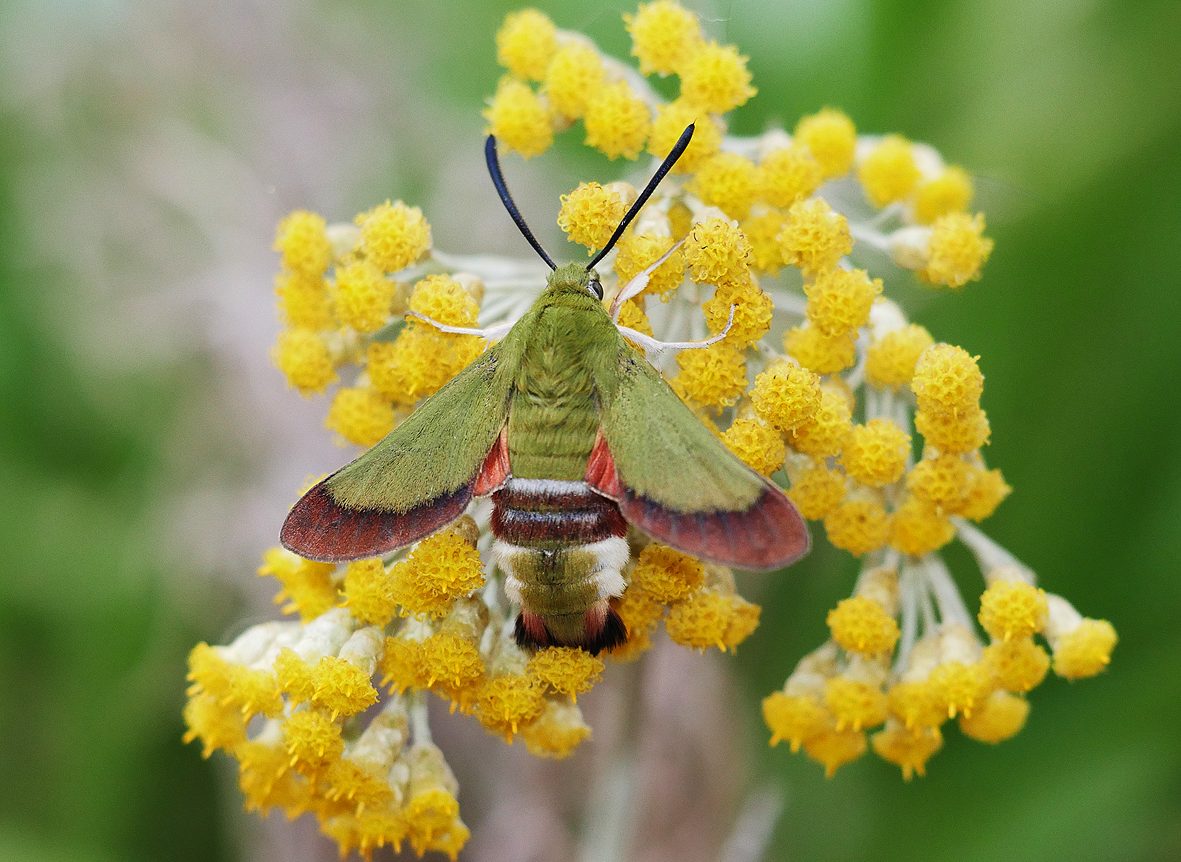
595	286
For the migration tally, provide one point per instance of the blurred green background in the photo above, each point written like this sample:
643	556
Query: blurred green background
147	452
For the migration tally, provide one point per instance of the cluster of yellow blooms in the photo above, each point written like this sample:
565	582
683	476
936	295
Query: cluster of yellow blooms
819	378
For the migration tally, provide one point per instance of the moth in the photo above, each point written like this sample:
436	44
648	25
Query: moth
575	436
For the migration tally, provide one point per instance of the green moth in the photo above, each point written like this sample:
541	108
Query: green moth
575	436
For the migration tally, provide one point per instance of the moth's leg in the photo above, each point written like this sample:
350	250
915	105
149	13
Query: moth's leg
655	346
639	281
491	333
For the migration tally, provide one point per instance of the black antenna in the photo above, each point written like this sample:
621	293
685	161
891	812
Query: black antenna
667	165
507	199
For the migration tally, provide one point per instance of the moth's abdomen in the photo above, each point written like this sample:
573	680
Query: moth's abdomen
562	548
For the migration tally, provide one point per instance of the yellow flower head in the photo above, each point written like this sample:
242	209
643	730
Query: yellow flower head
1016	665
758	445
509	702
794	718
520	119
888	173
960	432
786	395
814	237
833	748
947	379
715	78
839	299
919	527
816	490
590	213
302	241
1013	609
762	231
574	75
714	377
442	568
999	717
445	300
360	415
890	360
369	592
557	732
957	250
364	296
858	525
861	625
831	138
824	432
789	174
855	703
304	359
875	453
525	43
905	748
716	252
617	121
666	575
949	192
637	251
705	619
393	236
303	301
566	671
818	351
751	309
664	35
728	181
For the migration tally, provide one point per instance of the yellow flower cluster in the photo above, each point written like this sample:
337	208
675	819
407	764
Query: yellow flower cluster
814	378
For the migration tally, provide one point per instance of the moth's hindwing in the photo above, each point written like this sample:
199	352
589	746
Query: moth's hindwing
677	482
416	480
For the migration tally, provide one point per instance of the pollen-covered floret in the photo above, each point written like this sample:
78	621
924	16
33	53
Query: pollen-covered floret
637	251
831	137
875	453
957	250
445	300
664	35
716	252
1013	609
369	592
824	432
360	415
953	432
617	121
713	377
574	75
566	671
861	625
519	119
839	299
905	748
363	296
888	172
715	78
728	181
707	618
742	306
304	359
997	718
304	302
557	732
758	445
890	360
786	395
788	174
947	379
589	214
919	527
393	236
858	525
525	43
814	236
302	241
949	192
816	489
441	569
818	351
666	575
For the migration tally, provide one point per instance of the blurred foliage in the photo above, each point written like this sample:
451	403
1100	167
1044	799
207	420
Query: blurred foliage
1069	111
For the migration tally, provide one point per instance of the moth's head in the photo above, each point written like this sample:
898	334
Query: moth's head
575	278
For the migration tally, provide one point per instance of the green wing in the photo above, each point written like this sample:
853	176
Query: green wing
416	480
677	482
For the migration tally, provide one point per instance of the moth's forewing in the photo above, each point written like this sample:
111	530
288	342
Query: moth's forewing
677	482
416	480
